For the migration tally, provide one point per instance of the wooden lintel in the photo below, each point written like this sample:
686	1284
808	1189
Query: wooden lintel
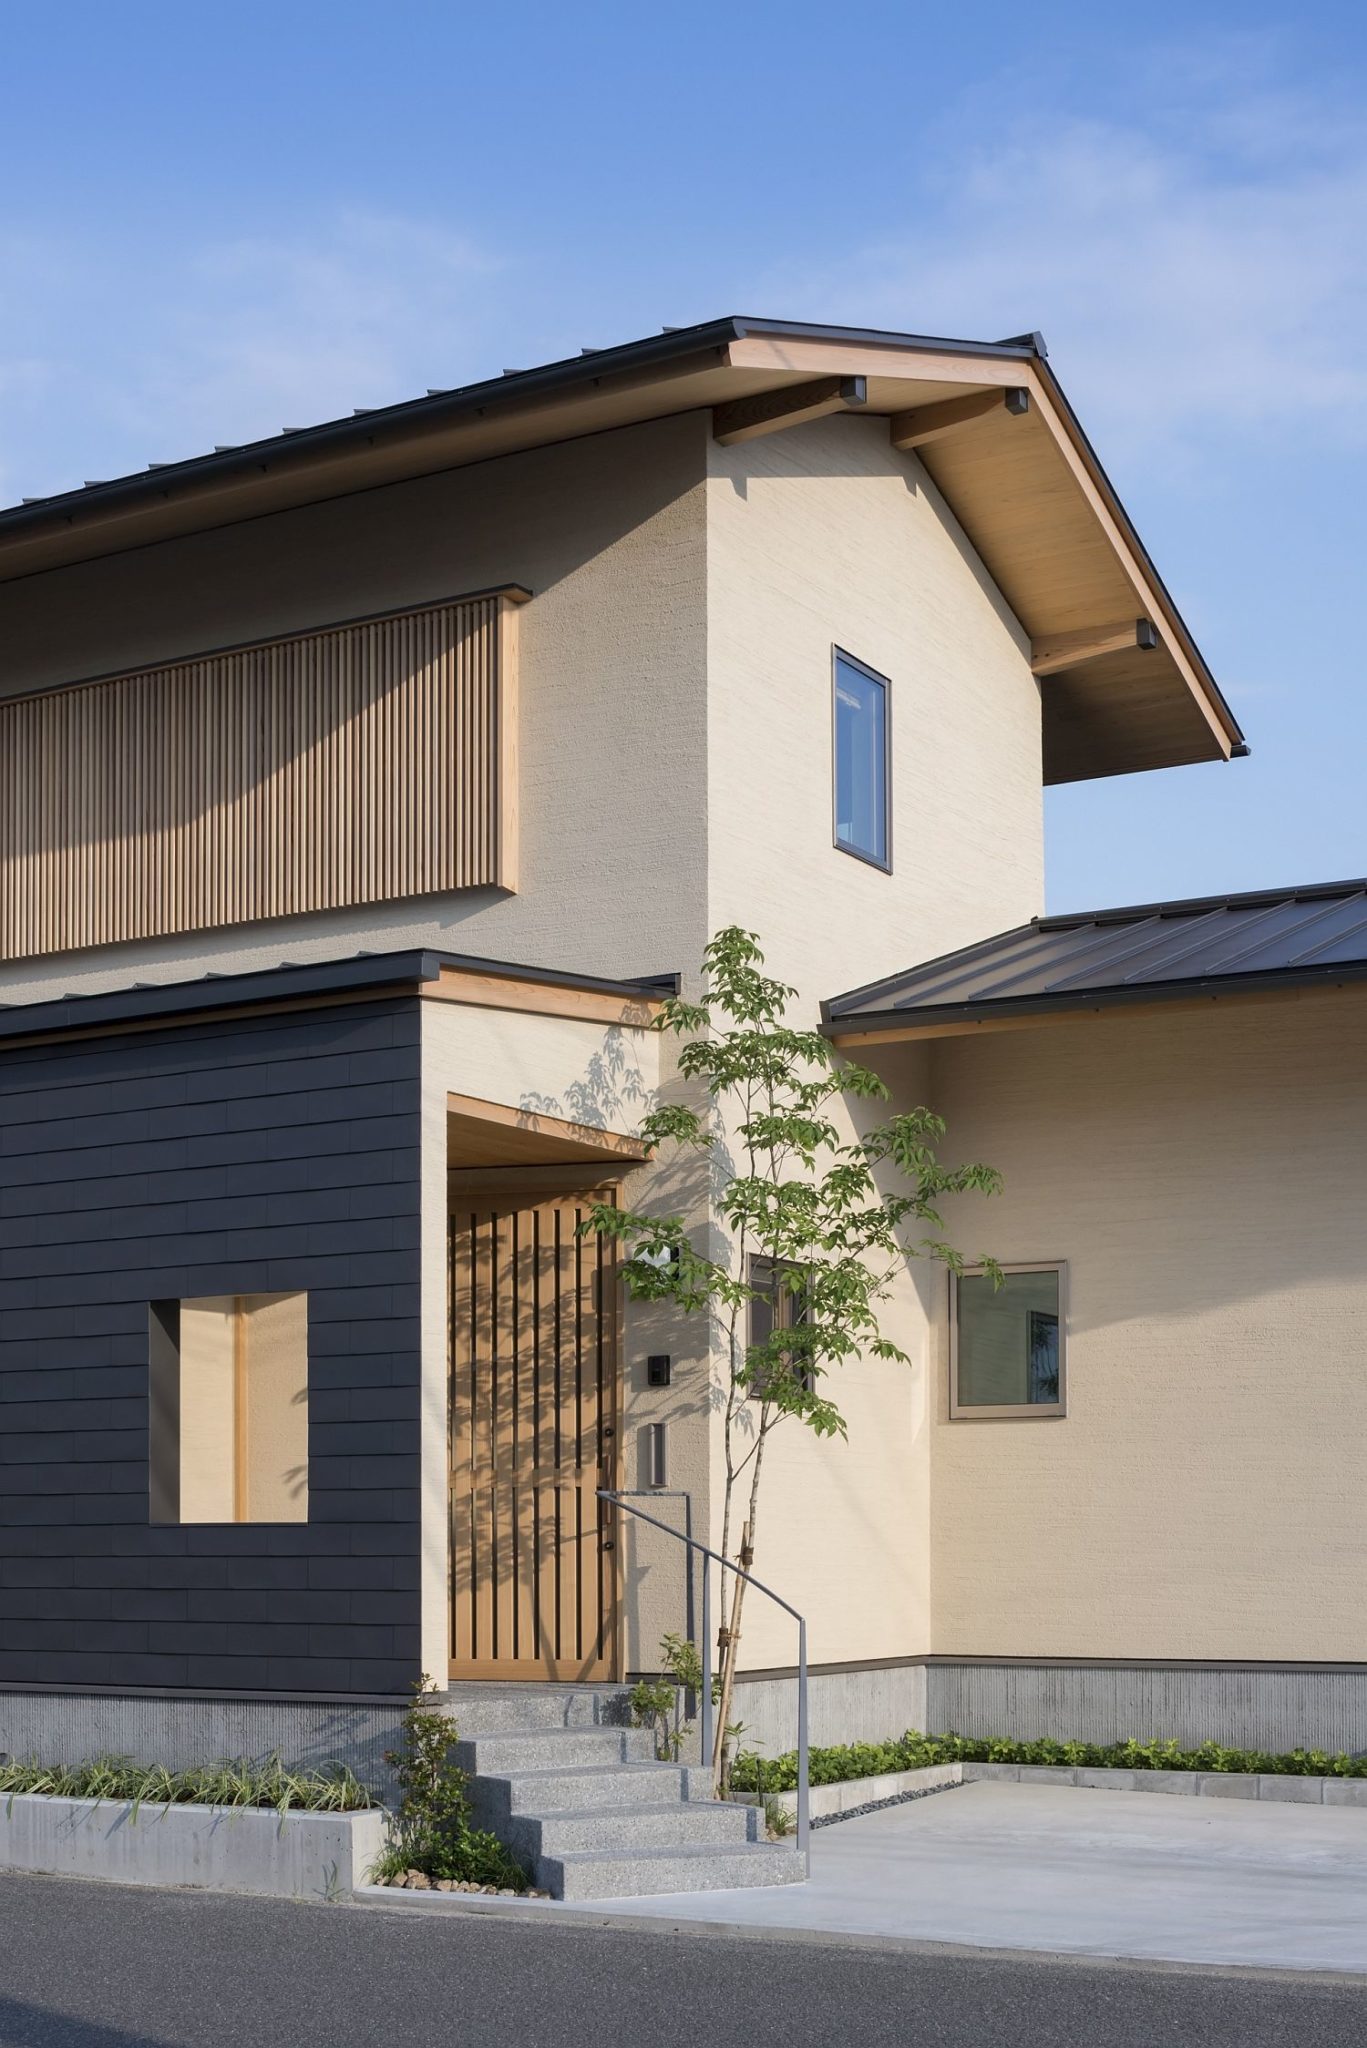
928	422
1067	650
745	419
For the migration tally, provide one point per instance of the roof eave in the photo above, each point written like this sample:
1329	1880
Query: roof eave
954	1019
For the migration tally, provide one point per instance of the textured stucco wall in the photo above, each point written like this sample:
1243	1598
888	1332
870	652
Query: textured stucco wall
1203	1497
819	536
609	533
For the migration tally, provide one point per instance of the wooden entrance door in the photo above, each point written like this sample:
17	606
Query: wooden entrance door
534	1339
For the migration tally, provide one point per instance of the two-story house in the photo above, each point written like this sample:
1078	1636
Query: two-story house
361	793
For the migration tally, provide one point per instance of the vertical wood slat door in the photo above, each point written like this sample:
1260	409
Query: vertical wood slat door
533	1421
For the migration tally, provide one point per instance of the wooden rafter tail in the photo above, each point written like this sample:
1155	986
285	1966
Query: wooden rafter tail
925	423
746	419
1069	650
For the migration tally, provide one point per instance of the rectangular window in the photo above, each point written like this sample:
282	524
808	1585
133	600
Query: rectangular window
861	761
776	1305
1007	1342
229	1425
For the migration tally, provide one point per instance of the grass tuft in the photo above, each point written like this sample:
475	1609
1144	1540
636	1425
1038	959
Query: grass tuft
262	1782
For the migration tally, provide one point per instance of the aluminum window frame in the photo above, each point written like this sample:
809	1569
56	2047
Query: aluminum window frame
870	860
1023	1411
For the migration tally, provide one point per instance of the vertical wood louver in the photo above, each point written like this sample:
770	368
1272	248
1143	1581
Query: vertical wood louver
368	762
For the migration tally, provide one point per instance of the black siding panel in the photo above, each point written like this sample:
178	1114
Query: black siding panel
244	1156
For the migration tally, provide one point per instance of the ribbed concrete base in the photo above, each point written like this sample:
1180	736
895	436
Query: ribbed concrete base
1251	1706
73	1727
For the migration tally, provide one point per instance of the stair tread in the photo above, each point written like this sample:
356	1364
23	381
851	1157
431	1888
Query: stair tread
616	1764
664	1852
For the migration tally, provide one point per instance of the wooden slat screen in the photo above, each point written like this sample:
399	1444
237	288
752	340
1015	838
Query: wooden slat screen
534	1364
360	764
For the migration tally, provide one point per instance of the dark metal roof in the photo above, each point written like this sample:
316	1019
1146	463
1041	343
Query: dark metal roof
1142	953
290	982
513	386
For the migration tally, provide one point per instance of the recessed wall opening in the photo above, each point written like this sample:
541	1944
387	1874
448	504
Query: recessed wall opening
229	1409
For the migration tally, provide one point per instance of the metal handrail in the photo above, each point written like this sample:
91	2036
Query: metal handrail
623	1500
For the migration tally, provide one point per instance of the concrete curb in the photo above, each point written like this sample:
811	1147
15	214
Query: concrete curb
230	1849
1194	1784
851	1793
888	1785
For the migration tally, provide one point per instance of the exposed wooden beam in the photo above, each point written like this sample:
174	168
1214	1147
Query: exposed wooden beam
745	419
1066	650
928	422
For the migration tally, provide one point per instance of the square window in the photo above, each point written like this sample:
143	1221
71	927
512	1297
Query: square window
229	1426
1007	1342
861	761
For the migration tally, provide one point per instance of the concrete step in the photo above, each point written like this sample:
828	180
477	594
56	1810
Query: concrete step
495	1798
493	1710
622	1828
531	1749
634	1873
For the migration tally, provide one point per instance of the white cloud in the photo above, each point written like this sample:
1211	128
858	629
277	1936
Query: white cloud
1209	271
169	352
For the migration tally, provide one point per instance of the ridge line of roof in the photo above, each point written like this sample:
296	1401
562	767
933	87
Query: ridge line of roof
563	370
1187	906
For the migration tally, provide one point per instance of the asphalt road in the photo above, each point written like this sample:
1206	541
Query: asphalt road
86	1965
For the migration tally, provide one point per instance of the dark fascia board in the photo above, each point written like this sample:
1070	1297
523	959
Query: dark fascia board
1082	1000
67	508
363	973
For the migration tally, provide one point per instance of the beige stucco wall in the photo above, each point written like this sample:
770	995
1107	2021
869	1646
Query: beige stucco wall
609	533
1202	1173
820	536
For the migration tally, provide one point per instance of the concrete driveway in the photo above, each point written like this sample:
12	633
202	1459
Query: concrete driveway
1056	1868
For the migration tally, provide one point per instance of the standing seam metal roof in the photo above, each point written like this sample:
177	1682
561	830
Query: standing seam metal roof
1318	932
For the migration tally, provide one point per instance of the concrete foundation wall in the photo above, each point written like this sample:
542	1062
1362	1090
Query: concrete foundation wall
1241	1707
72	1728
294	1856
842	1706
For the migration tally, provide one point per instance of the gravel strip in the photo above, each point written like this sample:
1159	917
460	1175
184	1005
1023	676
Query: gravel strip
829	1820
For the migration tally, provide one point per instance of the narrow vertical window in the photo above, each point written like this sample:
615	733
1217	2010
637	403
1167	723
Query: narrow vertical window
861	761
229	1409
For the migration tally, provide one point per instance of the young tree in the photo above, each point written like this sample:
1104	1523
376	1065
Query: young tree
809	1228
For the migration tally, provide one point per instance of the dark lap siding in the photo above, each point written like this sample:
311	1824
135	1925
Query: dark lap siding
247	1156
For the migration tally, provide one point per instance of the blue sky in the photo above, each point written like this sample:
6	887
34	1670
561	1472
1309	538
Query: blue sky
223	219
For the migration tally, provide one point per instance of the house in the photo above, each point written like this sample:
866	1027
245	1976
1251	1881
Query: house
362	793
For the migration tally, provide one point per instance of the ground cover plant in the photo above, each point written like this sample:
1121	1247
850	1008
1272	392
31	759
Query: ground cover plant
232	1781
912	1751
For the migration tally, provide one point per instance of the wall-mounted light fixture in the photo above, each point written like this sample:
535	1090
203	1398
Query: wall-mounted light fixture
657	1455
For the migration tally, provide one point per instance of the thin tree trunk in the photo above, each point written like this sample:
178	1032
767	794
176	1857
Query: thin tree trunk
730	1650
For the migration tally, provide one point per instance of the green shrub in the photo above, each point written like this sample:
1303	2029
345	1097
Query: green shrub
913	1751
233	1781
431	1830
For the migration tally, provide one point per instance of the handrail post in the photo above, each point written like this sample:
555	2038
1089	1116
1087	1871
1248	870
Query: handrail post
725	1565
705	1704
803	1789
